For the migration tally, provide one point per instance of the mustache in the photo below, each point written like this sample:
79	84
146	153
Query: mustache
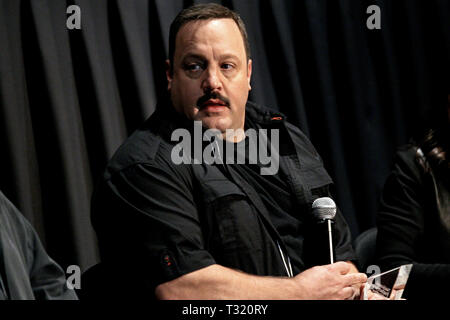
212	95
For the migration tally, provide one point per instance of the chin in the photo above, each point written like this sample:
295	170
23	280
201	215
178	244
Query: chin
218	123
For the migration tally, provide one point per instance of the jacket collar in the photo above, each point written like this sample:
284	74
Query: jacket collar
262	114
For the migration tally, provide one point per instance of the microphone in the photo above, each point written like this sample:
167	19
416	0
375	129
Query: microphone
318	241
324	210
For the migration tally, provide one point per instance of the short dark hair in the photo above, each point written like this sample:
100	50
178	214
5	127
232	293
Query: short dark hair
204	12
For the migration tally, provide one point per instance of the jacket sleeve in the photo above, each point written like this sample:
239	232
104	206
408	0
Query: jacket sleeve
401	227
147	221
29	271
47	278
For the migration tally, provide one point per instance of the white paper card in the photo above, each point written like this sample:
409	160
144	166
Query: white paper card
389	284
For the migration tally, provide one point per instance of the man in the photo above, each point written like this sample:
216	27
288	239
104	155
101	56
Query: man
196	230
26	271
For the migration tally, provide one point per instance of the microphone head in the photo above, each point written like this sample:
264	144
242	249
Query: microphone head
324	208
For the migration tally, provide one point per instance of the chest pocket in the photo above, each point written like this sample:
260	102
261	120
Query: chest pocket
232	223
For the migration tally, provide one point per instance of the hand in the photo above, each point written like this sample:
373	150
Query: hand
330	282
371	295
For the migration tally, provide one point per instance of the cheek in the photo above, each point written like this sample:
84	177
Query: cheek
190	91
239	94
184	93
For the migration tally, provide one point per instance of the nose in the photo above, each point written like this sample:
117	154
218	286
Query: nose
212	81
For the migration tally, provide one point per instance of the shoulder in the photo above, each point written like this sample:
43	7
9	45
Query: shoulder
18	231
142	146
147	147
302	141
407	161
407	153
311	163
12	221
268	116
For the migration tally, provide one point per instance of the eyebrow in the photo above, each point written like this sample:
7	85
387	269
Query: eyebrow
228	56
193	56
200	57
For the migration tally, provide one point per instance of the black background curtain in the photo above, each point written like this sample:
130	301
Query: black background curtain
69	98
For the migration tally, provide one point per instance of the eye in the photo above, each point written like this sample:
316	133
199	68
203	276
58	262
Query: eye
193	67
227	66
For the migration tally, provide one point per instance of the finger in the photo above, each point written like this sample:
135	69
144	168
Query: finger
370	295
365	294
341	266
354	278
376	296
361	291
399	287
355	292
348	293
393	294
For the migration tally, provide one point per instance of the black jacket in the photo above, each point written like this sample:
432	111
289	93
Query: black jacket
160	220
414	224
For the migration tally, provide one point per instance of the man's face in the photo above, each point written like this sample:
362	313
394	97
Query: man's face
211	76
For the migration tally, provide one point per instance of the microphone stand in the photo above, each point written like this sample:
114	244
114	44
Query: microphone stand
330	238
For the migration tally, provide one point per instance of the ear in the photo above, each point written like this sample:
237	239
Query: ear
249	73
169	75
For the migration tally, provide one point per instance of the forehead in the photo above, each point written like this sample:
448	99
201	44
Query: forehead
220	34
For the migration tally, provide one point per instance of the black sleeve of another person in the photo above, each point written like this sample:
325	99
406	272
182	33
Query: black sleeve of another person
401	227
26	270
